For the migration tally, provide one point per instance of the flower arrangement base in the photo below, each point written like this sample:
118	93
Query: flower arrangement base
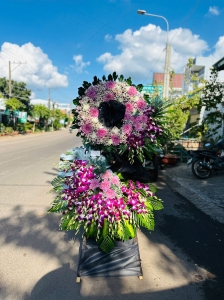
122	260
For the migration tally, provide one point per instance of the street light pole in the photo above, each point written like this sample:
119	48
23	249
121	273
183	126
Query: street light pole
167	55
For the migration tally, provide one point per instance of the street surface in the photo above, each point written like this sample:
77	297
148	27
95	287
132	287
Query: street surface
181	259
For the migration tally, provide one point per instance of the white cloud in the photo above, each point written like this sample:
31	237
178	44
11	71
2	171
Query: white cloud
142	51
38	71
79	63
213	10
108	37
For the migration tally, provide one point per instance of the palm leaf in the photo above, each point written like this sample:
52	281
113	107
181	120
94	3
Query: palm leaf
146	221
58	181
58	205
155	202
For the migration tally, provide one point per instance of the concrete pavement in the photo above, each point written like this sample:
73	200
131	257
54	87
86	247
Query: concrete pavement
38	262
207	195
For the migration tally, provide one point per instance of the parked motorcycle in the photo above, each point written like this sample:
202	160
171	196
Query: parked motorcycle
205	162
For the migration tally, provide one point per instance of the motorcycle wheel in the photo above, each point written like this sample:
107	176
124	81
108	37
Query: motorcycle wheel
199	171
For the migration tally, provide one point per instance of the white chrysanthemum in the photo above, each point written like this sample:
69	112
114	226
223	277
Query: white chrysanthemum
115	130
85	107
95	120
109	142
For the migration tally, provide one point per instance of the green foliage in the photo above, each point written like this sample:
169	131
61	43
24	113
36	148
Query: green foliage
28	126
2	127
146	221
212	99
58	205
107	244
40	111
19	91
14	104
8	130
20	127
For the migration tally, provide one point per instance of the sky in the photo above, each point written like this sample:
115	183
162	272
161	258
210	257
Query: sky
55	45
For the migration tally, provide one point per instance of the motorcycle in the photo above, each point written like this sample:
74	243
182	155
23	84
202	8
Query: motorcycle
205	162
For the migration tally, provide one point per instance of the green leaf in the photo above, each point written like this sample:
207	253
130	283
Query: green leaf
146	220
115	76
110	78
121	78
107	244
156	203
58	181
58	205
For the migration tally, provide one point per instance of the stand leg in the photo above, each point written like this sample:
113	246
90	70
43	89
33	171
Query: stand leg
78	279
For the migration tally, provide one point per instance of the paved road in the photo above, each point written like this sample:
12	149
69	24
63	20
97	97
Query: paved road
39	262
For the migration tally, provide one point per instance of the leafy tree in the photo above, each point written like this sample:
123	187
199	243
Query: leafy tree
212	98
55	116
40	111
14	104
19	91
182	106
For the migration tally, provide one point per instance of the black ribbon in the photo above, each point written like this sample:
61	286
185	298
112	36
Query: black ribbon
111	113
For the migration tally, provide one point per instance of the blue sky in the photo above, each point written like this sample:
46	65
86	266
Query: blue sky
65	42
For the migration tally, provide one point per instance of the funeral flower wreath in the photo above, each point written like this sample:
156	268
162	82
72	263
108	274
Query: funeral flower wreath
114	114
111	115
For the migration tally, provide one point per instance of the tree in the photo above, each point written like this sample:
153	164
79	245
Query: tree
40	111
55	116
212	99
180	117
14	104
19	91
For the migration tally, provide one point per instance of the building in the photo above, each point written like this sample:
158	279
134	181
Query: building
176	82
64	107
153	90
202	68
2	108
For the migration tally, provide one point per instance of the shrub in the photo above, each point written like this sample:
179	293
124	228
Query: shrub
8	130
2	128
28	126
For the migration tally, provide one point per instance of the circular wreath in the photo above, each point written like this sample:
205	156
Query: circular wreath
114	113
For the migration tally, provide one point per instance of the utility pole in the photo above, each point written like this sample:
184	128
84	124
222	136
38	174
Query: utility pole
49	98
10	81
10	75
166	81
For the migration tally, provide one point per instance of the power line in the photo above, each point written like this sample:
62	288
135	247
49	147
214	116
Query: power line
187	17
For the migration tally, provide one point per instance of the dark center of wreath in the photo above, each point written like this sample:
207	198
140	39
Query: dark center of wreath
111	113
